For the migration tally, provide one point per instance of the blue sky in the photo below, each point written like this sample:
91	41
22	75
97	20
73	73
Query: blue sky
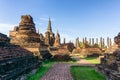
72	18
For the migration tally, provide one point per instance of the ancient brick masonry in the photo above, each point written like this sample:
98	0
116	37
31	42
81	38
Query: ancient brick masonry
26	46
57	40
110	64
4	38
49	35
14	60
25	35
87	48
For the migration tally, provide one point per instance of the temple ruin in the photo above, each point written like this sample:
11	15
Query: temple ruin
26	48
93	46
110	63
14	60
25	35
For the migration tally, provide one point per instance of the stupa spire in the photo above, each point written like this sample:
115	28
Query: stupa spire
49	29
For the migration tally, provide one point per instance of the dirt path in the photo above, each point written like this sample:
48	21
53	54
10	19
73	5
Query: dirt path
83	61
60	71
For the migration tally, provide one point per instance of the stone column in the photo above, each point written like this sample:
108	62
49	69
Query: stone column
77	43
96	40
92	41
108	43
89	41
101	42
64	41
85	40
83	43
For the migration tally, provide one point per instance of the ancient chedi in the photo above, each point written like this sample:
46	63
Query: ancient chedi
49	35
110	64
57	40
26	36
54	42
61	48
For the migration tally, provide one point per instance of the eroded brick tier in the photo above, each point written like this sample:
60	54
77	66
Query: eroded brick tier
15	60
110	64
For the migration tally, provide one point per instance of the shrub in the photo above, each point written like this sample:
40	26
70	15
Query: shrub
62	57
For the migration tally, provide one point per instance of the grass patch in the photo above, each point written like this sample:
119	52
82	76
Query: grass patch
93	60
85	73
41	71
81	56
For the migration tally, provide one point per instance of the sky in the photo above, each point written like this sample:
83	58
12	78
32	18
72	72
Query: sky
72	18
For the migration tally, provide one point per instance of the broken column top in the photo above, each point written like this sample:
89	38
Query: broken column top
27	23
117	39
26	19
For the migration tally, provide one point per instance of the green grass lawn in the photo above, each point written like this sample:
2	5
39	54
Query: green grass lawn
93	60
85	73
41	71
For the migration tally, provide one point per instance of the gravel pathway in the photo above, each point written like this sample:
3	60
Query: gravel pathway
59	71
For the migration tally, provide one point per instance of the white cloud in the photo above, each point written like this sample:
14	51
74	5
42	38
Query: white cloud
5	28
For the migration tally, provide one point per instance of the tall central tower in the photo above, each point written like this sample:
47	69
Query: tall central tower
49	29
49	35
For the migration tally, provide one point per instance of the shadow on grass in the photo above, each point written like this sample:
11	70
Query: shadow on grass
41	71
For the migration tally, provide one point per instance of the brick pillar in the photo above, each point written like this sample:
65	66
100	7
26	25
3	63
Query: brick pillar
108	42
96	40
89	41
92	41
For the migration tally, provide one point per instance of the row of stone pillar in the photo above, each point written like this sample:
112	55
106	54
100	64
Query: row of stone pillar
92	42
109	42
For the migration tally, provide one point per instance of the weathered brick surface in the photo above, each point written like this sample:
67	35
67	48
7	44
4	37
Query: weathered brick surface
60	71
